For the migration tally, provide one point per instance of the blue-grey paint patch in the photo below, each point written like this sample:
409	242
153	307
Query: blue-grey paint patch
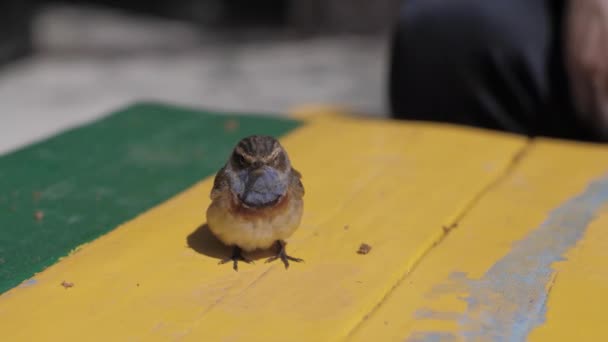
437	315
432	337
509	301
29	282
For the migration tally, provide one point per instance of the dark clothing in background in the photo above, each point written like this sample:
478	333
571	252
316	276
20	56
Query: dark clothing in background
488	63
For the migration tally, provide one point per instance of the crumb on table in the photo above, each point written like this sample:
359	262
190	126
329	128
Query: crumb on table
39	215
67	284
364	248
231	125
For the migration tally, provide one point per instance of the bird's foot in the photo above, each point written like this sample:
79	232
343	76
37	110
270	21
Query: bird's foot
282	254
235	258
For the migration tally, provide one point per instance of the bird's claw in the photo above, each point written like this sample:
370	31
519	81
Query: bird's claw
235	258
282	254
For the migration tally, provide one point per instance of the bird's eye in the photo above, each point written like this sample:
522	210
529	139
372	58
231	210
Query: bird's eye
240	160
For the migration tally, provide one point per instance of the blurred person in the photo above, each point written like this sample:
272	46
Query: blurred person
15	30
531	67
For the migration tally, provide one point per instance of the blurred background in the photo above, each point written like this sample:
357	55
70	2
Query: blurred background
64	63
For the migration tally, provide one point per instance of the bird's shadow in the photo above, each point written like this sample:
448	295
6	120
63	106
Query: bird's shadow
204	242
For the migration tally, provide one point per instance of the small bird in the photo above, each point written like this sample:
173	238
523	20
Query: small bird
256	200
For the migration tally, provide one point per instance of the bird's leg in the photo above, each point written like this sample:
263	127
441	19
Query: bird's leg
237	254
282	254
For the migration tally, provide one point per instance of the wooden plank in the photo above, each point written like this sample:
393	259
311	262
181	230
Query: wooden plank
78	185
578	299
395	186
527	263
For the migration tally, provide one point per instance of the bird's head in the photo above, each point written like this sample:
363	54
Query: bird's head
259	170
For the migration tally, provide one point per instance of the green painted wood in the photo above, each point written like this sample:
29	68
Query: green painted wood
87	181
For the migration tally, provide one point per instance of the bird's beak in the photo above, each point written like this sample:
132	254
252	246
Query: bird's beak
258	172
263	187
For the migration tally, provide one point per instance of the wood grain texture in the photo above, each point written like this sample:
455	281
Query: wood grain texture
527	263
398	187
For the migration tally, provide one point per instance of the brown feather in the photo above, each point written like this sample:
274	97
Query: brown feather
220	184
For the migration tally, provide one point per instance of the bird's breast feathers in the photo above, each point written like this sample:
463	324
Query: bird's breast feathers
253	228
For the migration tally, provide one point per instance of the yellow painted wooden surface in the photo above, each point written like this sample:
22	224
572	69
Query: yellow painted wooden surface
398	187
497	258
579	297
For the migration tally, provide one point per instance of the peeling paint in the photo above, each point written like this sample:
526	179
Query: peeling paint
29	282
432	337
509	300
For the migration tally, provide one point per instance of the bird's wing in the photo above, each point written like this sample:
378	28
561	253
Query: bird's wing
219	183
296	183
296	172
